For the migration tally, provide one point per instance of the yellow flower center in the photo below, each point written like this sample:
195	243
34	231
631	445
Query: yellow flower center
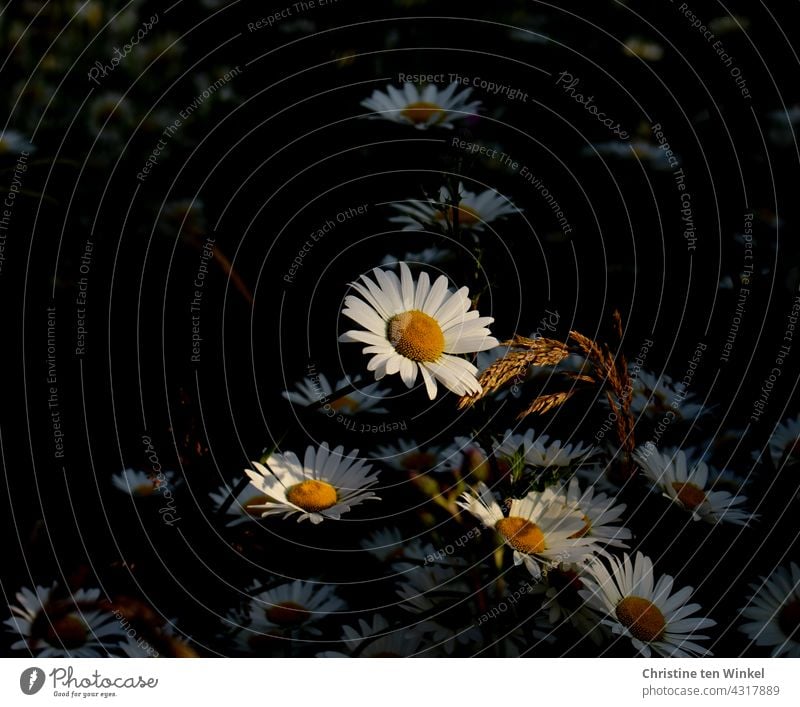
422	112
68	631
467	216
312	495
642	618
690	495
789	619
416	335
584	531
287	613
522	535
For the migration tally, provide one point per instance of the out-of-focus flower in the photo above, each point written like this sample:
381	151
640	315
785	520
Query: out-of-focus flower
422	109
728	23
325	485
643	48
648	612
542	531
653	396
377	640
429	256
313	389
388	544
774	612
633	149
74	627
465	457
474	211
408	456
415	327
13	142
108	115
689	489
784	445
138	483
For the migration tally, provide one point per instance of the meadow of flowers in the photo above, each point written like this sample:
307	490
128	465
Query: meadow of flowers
380	332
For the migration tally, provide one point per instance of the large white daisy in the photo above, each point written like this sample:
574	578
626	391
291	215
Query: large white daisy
74	627
648	612
541	530
690	490
314	389
412	327
325	485
422	109
474	211
539	451
774	612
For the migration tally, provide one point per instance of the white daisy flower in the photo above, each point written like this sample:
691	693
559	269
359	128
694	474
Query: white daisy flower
314	389
246	506
474	211
655	397
52	628
539	451
377	640
690	489
407	455
295	606
388	544
138	483
774	612
13	142
541	530
325	485
413	327
428	256
422	109
599	513
784	445
655	619
562	601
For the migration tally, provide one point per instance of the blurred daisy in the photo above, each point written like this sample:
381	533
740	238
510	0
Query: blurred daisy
377	640
562	601
295	606
774	612
643	48
422	109
325	485
634	605
72	627
440	592
415	327
784	445
474	211
109	113
428	256
728	23
539	451
633	149
389	544
654	396
314	389
465	457
138	483
13	142
688	489
541	531
599	513
246	506
407	456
